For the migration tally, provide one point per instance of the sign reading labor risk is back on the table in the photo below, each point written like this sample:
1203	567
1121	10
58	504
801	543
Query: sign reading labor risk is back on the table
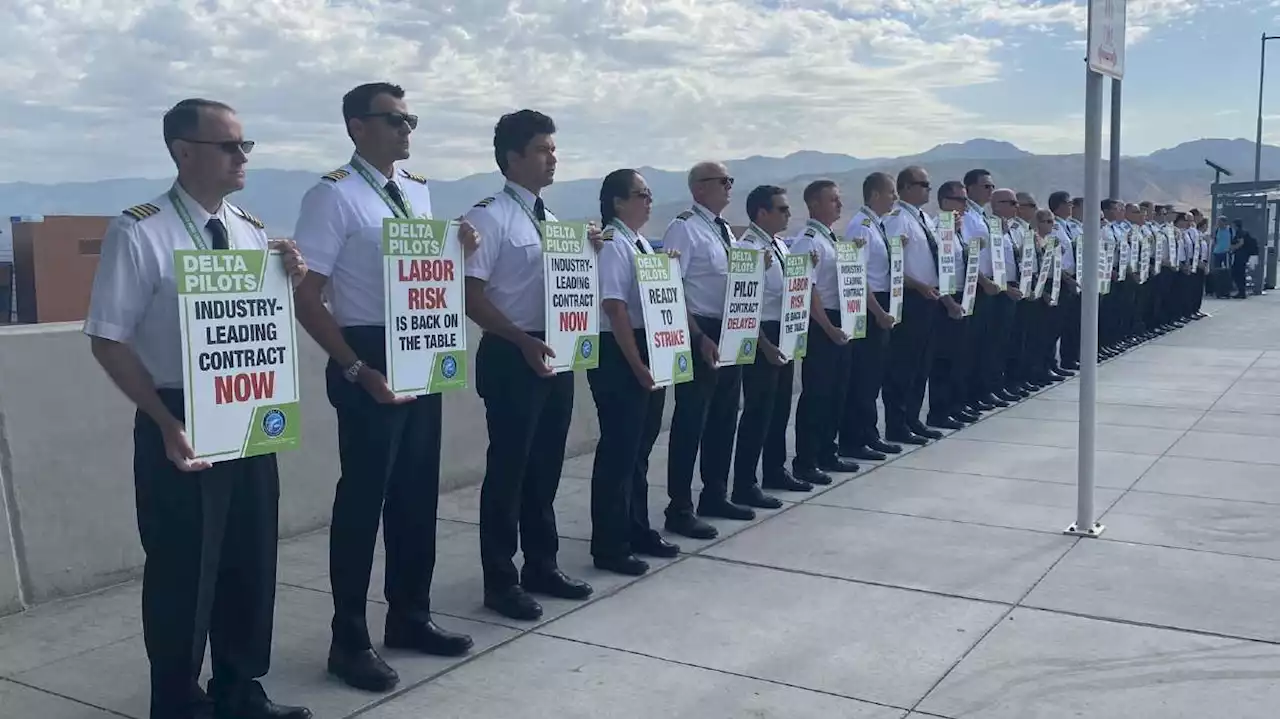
426	321
571	278
240	364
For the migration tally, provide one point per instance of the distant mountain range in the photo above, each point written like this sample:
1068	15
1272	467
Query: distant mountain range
1176	174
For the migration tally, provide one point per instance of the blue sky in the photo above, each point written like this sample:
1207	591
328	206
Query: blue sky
630	82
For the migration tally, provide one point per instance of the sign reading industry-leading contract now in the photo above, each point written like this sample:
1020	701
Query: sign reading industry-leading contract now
426	323
240	368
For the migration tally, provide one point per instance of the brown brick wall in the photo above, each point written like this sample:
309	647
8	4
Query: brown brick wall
54	262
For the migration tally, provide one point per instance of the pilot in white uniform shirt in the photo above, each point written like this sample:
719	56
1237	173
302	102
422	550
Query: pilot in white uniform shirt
866	227
510	259
917	259
771	295
704	259
617	268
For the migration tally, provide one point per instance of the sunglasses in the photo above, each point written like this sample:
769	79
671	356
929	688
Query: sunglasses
395	120
230	147
953	199
726	181
642	195
924	185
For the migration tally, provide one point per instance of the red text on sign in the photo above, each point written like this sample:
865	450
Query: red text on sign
668	338
244	387
426	270
573	321
427	298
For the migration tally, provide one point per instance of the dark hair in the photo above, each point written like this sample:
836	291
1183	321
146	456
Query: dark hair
972	176
875	181
907	176
815	189
1079	201
1058	199
515	131
1181	217
183	120
948	189
358	101
761	200
1109	204
616	186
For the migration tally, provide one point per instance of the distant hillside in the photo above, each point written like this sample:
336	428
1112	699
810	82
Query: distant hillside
1176	174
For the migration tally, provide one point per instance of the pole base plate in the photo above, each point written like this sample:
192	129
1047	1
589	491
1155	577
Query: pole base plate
1092	532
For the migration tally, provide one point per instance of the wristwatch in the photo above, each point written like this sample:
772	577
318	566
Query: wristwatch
352	373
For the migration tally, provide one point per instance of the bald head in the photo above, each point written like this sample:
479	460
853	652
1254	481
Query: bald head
1004	203
1026	206
710	185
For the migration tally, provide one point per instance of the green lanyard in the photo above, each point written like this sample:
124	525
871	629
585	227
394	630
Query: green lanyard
769	242
631	236
715	229
192	230
406	213
524	206
826	231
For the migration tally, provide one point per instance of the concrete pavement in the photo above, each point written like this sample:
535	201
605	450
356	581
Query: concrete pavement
936	585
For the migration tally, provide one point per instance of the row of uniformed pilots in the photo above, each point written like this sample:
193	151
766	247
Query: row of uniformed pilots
528	407
628	403
389	448
208	531
706	411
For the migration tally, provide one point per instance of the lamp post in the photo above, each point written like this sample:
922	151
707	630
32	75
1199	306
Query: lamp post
1262	74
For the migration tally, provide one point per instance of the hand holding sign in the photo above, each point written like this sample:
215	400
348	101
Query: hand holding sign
467	237
710	351
294	264
595	236
536	352
375	383
179	451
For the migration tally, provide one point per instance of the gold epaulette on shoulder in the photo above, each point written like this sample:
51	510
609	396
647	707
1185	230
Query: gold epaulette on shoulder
337	174
142	212
607	234
687	214
811	233
866	222
249	218
485	202
416	178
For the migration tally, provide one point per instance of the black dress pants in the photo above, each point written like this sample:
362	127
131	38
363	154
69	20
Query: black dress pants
859	423
824	380
1069	313
999	309
630	420
949	368
911	349
210	570
390	459
1017	363
528	421
702	427
766	409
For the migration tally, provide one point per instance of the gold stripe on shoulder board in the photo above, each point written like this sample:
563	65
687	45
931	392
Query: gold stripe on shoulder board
337	174
485	202
415	177
811	233
249	218
142	212
685	215
607	234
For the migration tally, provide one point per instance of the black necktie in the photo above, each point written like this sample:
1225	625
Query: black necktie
540	210
933	244
396	196
640	247
724	233
219	233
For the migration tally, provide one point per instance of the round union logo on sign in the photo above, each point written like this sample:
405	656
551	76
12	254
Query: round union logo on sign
683	363
273	423
449	367
586	348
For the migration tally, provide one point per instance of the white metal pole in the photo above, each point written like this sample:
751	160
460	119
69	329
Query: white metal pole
1088	274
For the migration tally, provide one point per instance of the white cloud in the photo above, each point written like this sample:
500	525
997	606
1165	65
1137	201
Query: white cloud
629	81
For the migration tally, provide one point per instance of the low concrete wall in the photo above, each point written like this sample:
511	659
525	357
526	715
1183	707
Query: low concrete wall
67	522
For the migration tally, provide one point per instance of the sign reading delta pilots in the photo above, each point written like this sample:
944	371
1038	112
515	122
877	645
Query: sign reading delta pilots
571	283
422	281
240	364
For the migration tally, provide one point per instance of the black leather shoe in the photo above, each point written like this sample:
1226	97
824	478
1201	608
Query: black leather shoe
838	464
784	481
995	401
753	496
362	669
923	431
687	525
865	454
653	545
514	603
906	437
966	417
425	637
1004	394
629	565
724	509
252	703
554	583
944	423
879	445
982	406
811	475
1071	366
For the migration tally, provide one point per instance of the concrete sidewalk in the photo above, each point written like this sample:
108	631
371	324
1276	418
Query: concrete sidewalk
939	584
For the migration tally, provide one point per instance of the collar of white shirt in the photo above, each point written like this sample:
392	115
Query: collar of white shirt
528	197
199	216
356	158
702	209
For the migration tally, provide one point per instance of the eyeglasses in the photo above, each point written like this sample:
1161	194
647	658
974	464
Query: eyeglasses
1027	204
952	199
1006	202
230	147
642	195
395	120
922	184
726	181
785	209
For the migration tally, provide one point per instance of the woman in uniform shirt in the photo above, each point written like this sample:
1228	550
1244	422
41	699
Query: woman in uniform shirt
628	403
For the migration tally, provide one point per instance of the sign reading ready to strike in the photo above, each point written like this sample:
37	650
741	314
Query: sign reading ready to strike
425	318
665	323
240	368
571	282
